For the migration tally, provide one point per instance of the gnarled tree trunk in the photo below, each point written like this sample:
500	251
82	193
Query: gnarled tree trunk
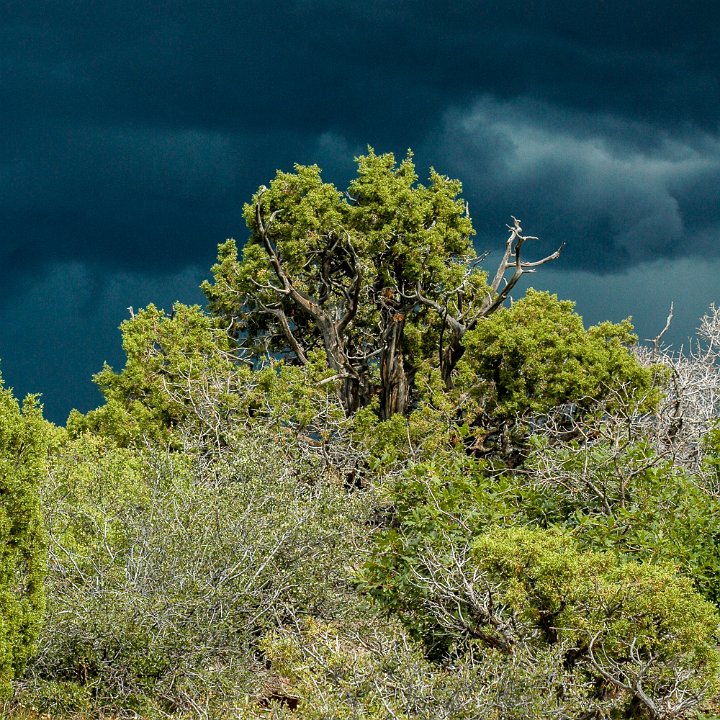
395	386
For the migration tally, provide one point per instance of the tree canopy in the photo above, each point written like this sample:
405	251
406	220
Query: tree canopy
382	277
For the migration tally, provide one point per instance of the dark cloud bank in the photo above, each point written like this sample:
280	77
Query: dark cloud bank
133	132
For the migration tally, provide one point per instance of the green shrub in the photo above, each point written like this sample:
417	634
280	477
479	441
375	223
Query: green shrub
623	496
55	697
24	439
372	670
440	504
168	567
165	355
636	630
536	355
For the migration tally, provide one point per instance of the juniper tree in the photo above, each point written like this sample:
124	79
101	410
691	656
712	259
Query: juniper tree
382	277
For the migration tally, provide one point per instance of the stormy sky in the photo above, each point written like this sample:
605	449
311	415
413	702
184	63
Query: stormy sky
131	133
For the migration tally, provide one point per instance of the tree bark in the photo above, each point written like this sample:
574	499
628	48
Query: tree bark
395	387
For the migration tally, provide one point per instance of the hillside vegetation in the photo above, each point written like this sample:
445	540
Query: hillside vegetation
364	484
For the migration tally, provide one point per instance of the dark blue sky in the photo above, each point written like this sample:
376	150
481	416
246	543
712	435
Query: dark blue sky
133	132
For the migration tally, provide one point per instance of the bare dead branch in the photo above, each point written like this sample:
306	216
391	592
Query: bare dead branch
513	245
656	340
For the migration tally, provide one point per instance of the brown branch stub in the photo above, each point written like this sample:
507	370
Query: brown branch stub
292	340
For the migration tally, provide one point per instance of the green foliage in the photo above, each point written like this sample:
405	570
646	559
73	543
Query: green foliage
461	564
412	233
373	670
24	440
635	628
441	504
622	496
404	233
165	355
167	567
53	698
632	623
711	453
537	355
92	488
544	575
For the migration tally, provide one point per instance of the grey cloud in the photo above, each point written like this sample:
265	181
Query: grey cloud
618	193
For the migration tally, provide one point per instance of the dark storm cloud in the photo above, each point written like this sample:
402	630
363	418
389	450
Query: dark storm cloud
144	199
352	65
135	130
619	192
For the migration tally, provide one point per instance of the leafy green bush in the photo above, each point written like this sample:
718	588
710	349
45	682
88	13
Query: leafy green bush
166	355
443	504
168	567
636	626
637	631
536	355
24	440
623	496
